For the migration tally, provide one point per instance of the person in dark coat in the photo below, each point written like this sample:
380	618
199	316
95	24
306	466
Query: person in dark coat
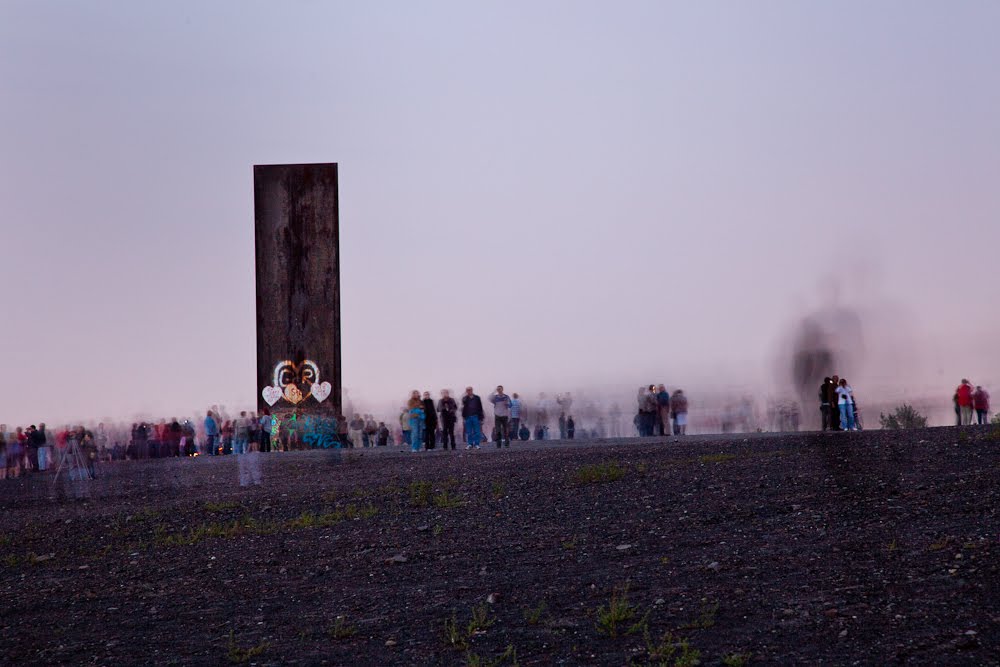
448	409
430	421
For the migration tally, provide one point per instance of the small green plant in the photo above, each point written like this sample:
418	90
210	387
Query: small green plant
598	473
619	616
210	507
706	618
364	512
474	660
239	655
736	659
445	500
671	651
499	490
716	458
532	615
569	545
905	416
940	544
341	629
420	493
480	619
892	546
453	637
436	530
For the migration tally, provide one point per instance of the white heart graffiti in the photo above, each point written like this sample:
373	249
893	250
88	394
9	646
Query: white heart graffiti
321	391
271	394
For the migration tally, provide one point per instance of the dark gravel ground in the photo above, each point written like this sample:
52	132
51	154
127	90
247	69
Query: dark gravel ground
867	548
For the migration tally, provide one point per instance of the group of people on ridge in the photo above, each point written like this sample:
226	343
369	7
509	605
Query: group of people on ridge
845	416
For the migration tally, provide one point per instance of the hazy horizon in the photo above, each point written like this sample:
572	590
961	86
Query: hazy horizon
551	196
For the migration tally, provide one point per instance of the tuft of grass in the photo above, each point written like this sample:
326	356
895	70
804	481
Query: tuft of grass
310	519
736	659
499	489
453	637
619	616
436	530
480	619
239	655
214	507
420	493
569	545
532	615
341	629
474	660
892	546
598	473
940	544
364	512
716	458
671	651
446	499
706	618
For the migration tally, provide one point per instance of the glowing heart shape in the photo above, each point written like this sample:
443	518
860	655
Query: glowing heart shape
292	394
271	395
321	391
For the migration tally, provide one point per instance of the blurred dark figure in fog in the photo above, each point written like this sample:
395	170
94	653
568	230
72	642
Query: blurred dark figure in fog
524	433
663	411
226	432
473	415
542	411
616	421
539	432
501	416
601	430
565	402
248	464
448	409
515	416
371	431
834	400
562	425
964	400
382	435
679	411
356	431
980	401
570	427
647	411
845	402
430	421
88	449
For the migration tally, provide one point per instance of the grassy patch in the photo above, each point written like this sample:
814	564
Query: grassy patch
239	655
598	473
480	619
736	659
533	615
508	657
420	494
940	544
341	629
671	651
716	458
446	499
218	507
499	490
706	618
453	636
619	616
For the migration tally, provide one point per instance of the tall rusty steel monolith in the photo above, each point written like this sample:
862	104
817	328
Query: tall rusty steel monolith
296	210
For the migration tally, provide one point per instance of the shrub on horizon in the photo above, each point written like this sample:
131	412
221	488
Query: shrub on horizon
905	416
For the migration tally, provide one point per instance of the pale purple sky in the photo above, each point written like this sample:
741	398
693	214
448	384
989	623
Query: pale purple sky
543	194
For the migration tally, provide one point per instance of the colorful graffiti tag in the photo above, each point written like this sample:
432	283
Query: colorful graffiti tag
295	383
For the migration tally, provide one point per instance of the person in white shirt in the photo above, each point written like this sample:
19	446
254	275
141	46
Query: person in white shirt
846	404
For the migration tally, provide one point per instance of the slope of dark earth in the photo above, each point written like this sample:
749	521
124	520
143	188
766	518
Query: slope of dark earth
860	548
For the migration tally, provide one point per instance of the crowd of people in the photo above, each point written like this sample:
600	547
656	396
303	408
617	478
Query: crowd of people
422	424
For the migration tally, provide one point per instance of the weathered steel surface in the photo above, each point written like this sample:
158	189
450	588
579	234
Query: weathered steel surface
298	288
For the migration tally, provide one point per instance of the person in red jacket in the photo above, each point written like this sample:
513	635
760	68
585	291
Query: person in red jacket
981	404
963	397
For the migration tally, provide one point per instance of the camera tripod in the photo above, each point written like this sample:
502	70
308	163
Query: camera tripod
72	458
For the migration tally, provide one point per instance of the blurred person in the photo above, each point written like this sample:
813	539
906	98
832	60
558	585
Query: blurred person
430	421
824	404
515	415
980	402
501	416
679	411
3	451
404	425
31	448
617	431
226	435
415	409
44	449
565	402
448	409
562	425
845	401
571	428
542	412
524	433
371	431
964	400
648	409
356	432
663	422
834	399
248	463
265	430
88	450
383	435
472	415
241	433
